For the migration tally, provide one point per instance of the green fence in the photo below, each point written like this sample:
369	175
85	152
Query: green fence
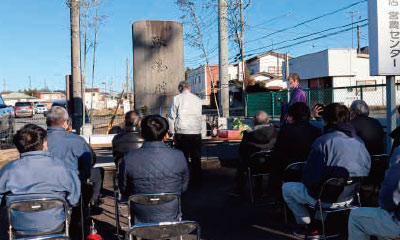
373	95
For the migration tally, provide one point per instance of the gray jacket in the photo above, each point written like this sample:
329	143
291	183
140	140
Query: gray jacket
184	116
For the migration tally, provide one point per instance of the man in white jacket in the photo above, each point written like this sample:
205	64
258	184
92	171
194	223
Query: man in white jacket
185	118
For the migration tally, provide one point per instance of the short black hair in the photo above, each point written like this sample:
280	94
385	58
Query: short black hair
336	113
30	138
131	119
294	76
41	131
300	112
154	128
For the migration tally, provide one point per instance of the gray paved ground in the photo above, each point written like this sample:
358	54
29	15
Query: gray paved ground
220	215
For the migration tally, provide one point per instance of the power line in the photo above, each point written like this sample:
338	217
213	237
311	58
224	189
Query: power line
310	20
308	35
316	38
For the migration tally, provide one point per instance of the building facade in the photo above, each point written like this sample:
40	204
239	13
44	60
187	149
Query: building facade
344	69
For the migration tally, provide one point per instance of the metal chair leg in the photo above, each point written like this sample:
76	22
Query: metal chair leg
251	186
82	218
116	208
285	212
322	218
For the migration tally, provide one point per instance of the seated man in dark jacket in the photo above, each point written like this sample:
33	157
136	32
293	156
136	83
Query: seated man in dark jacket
154	168
368	129
338	153
295	139
262	138
382	222
293	143
129	139
36	174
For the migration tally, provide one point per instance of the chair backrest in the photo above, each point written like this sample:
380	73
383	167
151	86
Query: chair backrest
293	172
163	230
258	161
33	206
339	189
153	199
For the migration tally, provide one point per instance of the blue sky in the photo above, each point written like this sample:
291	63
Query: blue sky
35	37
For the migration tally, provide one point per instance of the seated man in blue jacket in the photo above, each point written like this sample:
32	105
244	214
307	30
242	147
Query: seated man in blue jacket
154	168
383	222
36	174
67	146
338	153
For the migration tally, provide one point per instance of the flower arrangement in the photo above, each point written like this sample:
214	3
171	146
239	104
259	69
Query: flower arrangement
238	125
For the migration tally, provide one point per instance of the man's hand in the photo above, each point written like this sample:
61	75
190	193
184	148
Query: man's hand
317	111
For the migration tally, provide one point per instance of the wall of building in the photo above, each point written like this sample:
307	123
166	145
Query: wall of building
310	66
200	82
271	64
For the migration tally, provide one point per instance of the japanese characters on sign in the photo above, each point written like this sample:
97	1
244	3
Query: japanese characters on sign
384	37
393	17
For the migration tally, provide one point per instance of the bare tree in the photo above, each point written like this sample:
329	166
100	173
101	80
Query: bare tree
92	20
195	36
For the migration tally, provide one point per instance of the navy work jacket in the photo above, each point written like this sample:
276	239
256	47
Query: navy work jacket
154	168
71	148
37	174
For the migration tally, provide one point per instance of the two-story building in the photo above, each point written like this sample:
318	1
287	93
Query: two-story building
343	69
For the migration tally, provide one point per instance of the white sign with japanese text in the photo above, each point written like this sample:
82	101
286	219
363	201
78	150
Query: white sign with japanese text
384	37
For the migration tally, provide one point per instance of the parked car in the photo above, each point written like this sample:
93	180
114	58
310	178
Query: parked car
23	109
6	124
40	109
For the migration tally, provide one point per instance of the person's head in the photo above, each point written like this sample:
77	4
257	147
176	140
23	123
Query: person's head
154	128
183	85
358	108
57	117
294	80
336	113
261	118
299	112
132	119
30	138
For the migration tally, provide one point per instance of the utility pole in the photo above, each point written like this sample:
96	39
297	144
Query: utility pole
223	56
94	50
4	84
127	80
76	65
358	38
111	87
352	14
243	62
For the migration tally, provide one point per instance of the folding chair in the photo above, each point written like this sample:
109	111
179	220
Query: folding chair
336	188
117	200
153	199
258	166
163	230
292	173
33	206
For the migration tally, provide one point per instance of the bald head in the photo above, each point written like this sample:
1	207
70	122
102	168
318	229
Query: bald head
261	118
132	119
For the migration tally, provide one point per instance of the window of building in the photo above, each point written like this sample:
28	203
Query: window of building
366	83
